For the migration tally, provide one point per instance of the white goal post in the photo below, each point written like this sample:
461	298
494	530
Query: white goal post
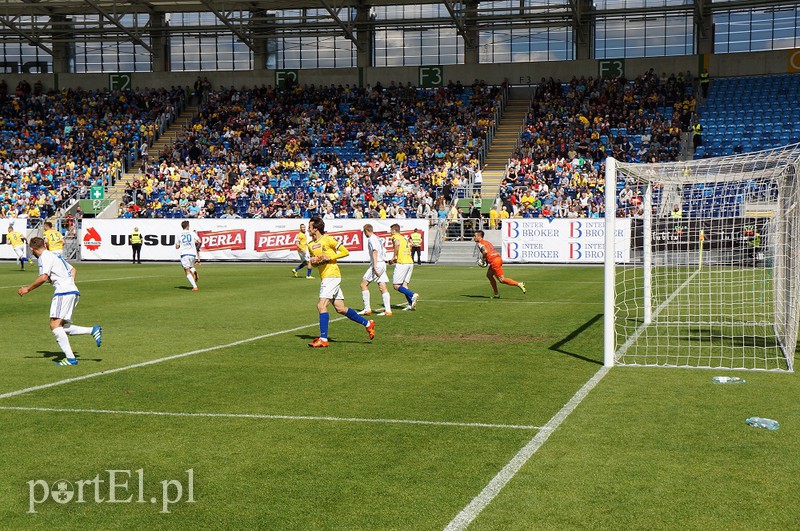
713	277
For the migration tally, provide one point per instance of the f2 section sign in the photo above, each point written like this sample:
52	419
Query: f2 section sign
232	239
562	240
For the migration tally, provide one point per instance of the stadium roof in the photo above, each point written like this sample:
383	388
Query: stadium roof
44	22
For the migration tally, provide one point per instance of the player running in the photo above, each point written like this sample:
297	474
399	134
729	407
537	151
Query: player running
375	273
188	243
53	239
301	243
17	242
404	266
324	251
495	262
54	269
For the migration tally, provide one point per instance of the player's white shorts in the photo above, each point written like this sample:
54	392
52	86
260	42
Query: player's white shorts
20	251
63	306
402	273
303	255
370	275
331	288
57	252
188	260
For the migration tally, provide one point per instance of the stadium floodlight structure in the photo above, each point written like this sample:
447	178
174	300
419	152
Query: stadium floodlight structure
712	275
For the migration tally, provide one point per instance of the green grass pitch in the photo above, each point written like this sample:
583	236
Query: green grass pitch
398	433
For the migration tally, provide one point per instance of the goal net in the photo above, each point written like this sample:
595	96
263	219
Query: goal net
713	272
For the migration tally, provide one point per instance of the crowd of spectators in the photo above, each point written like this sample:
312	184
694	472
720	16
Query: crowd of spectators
559	168
335	151
55	144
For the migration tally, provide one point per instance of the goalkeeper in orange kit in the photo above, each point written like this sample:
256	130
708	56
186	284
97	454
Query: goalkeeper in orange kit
494	261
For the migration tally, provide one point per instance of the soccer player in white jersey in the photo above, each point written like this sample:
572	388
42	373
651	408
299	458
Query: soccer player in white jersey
54	269
375	273
187	243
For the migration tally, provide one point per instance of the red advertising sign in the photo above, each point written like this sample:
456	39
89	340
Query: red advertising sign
231	240
274	241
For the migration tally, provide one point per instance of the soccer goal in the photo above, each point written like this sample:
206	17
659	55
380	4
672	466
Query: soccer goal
712	276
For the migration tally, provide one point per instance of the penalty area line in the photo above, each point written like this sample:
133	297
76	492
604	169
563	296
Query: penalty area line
493	488
158	360
509	301
271	417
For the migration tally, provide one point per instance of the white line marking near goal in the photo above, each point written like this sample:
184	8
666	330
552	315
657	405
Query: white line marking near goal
509	301
493	488
158	360
272	417
93	280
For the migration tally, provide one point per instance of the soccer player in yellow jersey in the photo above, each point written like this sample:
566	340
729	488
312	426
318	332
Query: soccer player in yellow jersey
301	242
53	239
404	266
324	251
17	242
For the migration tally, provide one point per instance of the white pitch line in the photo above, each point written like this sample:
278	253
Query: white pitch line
92	280
158	360
527	282
493	488
509	301
272	417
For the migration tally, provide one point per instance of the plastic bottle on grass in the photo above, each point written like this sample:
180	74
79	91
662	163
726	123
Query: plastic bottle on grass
727	380
760	422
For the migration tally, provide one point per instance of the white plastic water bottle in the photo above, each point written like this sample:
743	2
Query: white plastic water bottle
727	380
759	422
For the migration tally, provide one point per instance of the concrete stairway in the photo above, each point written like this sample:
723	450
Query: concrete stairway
463	252
505	140
171	134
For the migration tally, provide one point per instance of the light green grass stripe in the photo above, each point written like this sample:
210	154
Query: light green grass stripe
493	488
159	360
92	280
272	417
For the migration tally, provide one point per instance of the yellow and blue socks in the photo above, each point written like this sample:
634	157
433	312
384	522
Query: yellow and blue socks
324	319
353	316
407	292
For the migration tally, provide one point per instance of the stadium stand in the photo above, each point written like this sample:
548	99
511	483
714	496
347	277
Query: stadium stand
392	151
56	145
747	114
558	169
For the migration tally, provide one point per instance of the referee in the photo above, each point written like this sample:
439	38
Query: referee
136	245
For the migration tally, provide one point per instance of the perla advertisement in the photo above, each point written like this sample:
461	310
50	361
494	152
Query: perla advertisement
563	240
233	239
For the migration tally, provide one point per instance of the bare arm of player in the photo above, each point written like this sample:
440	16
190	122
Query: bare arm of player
41	279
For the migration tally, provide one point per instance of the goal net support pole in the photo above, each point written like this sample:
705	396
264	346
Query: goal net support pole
609	302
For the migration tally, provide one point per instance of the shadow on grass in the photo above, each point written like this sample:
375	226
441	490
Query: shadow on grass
184	287
708	335
476	296
559	346
58	356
